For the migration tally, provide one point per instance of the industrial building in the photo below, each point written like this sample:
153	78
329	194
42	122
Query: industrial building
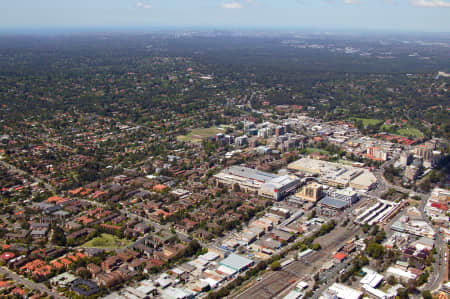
330	206
372	278
252	180
335	174
341	291
248	179
237	262
379	212
347	195
279	187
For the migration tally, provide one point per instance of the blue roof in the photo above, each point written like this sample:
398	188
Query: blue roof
236	262
332	202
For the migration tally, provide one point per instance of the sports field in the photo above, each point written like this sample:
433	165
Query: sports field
367	121
410	132
197	135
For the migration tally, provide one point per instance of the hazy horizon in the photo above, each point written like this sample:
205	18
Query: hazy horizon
131	15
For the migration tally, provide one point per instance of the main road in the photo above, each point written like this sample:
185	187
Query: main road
440	264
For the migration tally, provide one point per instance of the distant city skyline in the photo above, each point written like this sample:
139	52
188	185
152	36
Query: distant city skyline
391	15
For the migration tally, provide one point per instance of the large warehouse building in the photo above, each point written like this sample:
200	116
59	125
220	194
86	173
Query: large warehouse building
252	180
335	174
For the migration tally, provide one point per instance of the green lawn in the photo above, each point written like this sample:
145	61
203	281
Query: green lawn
385	128
368	121
106	241
410	132
197	135
310	150
407	132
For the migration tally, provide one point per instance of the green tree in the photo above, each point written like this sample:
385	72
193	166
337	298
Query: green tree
275	266
375	250
58	237
427	295
315	246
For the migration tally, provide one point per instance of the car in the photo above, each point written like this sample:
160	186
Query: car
259	279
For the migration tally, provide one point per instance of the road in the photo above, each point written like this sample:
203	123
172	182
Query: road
384	185
440	265
28	283
22	172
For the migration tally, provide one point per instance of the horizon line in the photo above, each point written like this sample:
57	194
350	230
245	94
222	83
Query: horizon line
150	29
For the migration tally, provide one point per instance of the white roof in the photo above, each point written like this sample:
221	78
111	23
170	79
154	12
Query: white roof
64	278
178	271
146	288
164	282
293	295
280	182
176	293
114	295
365	179
236	262
401	273
129	295
211	282
209	256
345	292
346	191
226	270
302	285
377	293
199	263
131	292
304	253
372	279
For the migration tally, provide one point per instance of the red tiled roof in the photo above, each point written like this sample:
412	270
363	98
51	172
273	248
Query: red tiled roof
439	206
6	256
340	256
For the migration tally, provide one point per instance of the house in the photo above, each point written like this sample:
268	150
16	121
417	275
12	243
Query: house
80	233
7	256
38	234
63	280
85	287
339	257
142	228
135	264
109	279
159	188
94	269
112	263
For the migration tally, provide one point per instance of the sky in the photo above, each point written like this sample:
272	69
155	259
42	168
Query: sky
382	15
